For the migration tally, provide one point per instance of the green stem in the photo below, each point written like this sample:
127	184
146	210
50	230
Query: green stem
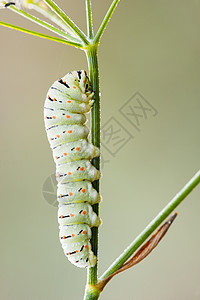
48	13
186	190
41	35
91	53
89	19
67	20
105	21
44	24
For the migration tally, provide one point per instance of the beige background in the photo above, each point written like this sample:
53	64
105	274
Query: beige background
151	47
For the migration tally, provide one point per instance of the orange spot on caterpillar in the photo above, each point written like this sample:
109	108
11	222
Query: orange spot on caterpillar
61	216
56	157
71	215
82	168
76	251
69	253
45	117
58	136
69	173
58	175
54	99
78	148
84	232
73	235
69	131
74	87
64	237
51	139
84	81
64	81
84	212
54	117
85	246
70	193
65	153
60	195
69	101
83	190
67	116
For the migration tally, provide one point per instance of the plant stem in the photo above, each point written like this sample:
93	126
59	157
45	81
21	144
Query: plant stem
153	225
41	35
67	20
48	13
105	21
89	19
91	53
44	24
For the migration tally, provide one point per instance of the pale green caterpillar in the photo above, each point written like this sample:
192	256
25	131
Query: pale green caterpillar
68	99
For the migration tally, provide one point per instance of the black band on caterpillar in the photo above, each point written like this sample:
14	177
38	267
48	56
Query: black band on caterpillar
68	99
9	3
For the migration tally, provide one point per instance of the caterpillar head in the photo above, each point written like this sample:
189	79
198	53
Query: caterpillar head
85	85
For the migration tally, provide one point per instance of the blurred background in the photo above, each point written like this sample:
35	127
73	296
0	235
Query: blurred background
148	57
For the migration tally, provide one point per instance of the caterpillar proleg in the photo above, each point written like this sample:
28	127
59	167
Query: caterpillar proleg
67	101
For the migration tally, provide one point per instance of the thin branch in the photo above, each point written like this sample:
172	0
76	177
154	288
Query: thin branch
142	253
46	11
43	24
89	19
186	190
41	35
105	21
67	20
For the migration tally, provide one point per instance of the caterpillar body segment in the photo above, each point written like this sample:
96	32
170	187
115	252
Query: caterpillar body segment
77	213
61	116
59	99
76	192
74	233
62	134
74	151
80	256
67	101
76	171
71	237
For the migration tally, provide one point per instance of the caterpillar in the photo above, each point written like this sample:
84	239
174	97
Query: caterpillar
67	102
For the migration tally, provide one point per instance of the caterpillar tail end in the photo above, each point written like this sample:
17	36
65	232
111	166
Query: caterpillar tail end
96	152
92	259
